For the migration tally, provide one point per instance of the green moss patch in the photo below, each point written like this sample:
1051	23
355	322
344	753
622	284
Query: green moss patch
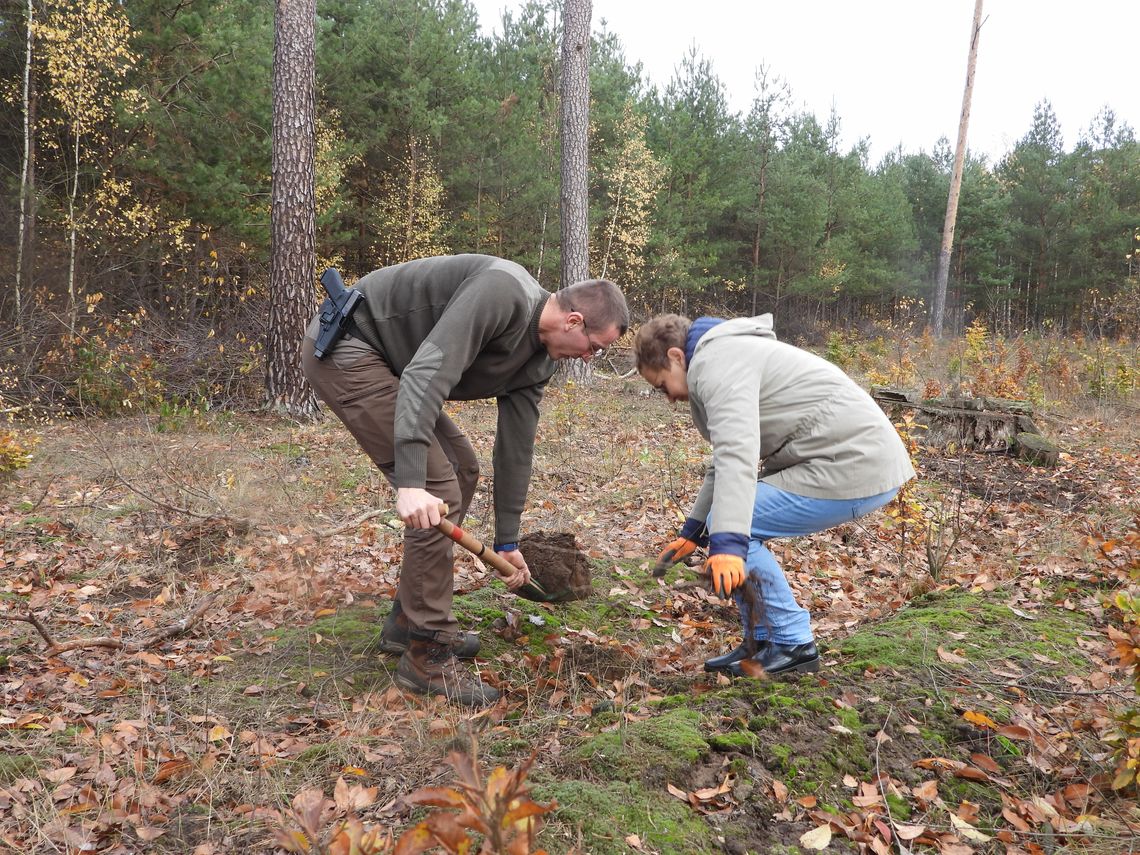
737	740
486	610
655	750
603	815
811	731
13	766
340	651
350	631
288	450
977	628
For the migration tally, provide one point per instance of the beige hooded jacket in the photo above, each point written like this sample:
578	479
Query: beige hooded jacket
763	403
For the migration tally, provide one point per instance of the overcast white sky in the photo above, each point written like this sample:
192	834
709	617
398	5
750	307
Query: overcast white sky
894	69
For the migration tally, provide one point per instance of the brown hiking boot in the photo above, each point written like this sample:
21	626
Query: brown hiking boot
430	668
394	636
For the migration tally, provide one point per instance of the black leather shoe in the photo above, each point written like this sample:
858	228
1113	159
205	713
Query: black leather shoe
782	659
722	662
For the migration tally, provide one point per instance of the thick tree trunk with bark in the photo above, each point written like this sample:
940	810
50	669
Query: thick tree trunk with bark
575	127
938	310
293	255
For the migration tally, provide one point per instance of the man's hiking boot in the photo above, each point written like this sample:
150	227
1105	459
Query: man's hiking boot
394	636
430	668
726	660
782	659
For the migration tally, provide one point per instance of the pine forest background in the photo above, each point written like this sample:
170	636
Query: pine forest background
140	271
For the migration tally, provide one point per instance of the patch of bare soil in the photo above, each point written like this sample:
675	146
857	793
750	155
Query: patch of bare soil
605	663
1004	479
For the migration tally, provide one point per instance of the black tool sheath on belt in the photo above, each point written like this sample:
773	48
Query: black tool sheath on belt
336	314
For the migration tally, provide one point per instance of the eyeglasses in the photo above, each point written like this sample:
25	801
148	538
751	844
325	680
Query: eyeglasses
595	349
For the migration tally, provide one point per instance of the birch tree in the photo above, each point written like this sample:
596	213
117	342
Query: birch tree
88	55
409	217
630	178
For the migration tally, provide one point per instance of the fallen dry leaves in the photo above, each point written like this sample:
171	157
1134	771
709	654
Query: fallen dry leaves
126	743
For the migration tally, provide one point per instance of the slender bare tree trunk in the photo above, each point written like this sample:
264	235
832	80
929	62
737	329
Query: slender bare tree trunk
293	212
27	175
410	212
613	221
541	247
72	292
759	231
938	310
767	120
575	108
479	210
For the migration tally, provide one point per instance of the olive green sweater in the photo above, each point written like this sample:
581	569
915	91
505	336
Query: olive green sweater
459	328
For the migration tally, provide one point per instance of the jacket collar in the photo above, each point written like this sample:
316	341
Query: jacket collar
698	328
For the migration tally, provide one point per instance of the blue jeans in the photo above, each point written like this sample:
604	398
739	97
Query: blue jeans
777	513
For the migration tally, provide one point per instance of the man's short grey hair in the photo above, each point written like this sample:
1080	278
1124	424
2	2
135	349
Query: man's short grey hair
599	301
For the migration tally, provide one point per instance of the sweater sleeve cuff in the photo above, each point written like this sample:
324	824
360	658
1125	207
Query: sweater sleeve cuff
411	465
727	543
695	531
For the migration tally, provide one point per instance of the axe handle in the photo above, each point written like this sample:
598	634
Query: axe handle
477	547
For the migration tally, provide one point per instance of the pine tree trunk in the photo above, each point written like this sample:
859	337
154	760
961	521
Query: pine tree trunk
541	247
575	127
292	254
575	122
938	310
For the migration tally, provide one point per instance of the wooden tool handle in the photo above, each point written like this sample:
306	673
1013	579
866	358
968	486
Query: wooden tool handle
474	546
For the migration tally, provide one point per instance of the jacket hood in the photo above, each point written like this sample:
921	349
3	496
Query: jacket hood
761	326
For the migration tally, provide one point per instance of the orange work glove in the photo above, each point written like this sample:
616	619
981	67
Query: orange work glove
726	573
678	550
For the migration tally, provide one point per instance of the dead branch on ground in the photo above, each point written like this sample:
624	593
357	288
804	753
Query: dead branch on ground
54	648
351	524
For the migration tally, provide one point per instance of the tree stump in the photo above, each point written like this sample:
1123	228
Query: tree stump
979	424
1036	449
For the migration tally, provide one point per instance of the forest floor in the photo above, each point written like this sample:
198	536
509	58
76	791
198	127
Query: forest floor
965	699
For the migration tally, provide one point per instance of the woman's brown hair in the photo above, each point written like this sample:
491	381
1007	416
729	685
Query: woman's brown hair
655	337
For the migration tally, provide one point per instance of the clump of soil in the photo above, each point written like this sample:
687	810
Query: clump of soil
557	565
